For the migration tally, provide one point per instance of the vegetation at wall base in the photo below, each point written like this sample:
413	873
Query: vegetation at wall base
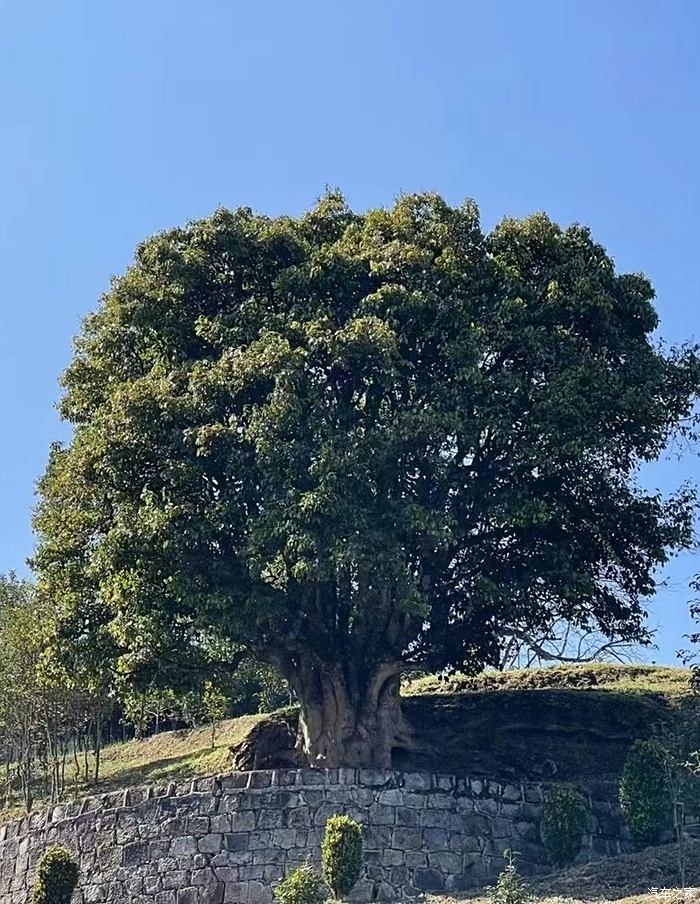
644	794
56	877
510	887
563	823
302	886
341	854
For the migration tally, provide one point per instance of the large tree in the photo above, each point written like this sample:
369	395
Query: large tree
356	443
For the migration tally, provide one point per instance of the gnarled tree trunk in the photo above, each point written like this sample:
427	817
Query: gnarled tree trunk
350	718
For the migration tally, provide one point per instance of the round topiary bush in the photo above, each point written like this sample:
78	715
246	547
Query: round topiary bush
644	796
563	824
302	886
56	877
341	854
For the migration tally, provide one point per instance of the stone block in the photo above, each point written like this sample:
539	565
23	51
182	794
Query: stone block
287	778
435	840
262	779
299	818
445	861
203	876
437	801
166	897
382	816
197	825
364	797
235	780
512	792
151	884
391	857
133	854
175	879
188	895
391	797
159	849
236	893
441	819
414	859
243	821
183	846
429	880
212	894
375	871
406	840
347	776
227	873
284	838
446	782
398	875
407	816
416	781
236	841
309	777
259	893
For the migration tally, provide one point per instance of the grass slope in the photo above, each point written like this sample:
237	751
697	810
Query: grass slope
579	718
168	756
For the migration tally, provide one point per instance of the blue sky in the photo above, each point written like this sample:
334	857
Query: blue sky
122	117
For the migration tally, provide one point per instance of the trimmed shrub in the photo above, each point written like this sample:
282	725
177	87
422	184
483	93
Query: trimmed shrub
509	887
563	824
302	886
56	877
644	796
341	854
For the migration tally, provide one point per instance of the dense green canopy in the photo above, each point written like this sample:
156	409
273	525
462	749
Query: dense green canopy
351	442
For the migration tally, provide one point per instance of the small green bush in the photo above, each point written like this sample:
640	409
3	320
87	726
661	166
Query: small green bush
509	887
644	795
56	877
341	854
302	886
563	824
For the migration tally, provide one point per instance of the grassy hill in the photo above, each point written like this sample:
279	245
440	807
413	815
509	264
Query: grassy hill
572	722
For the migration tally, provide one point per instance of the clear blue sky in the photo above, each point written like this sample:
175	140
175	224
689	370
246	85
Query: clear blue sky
123	117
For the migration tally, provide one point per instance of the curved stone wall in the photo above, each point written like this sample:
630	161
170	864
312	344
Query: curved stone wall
228	839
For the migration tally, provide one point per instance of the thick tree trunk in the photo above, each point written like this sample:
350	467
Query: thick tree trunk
349	720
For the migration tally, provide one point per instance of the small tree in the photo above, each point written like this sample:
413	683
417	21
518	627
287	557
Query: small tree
214	704
644	794
341	854
563	825
509	887
56	877
302	886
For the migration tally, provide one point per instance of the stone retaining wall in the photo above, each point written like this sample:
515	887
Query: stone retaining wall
228	839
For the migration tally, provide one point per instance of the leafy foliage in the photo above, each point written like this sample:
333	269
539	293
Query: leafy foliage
644	793
343	441
56	877
509	887
341	854
563	824
301	886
